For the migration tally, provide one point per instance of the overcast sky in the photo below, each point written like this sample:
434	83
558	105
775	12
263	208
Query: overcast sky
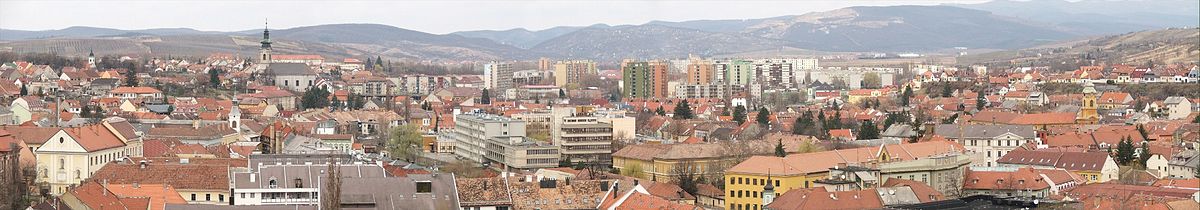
429	16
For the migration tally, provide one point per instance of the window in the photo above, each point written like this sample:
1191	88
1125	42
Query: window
272	183
424	187
193	196
207	197
62	163
252	195
221	198
243	195
298	183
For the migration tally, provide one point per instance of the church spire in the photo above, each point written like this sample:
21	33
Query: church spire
266	40
264	52
768	193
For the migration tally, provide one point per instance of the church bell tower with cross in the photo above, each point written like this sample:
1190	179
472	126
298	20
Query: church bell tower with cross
264	52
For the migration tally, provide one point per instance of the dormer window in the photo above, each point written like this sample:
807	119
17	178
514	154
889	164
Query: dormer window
298	183
272	183
424	187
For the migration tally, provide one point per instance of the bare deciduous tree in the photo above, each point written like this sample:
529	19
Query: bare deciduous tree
332	195
687	175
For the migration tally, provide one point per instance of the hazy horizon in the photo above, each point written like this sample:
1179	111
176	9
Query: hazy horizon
450	16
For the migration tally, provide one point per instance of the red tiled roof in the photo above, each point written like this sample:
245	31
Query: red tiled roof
1074	161
135	90
818	198
297	57
157	193
1114	98
95	196
95	137
668	191
643	201
30	134
841	133
1021	179
924	192
1178	183
1113	190
1045	118
805	163
190	176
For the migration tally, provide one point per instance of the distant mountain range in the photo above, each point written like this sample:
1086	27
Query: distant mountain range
1159	46
1097	17
992	25
87	32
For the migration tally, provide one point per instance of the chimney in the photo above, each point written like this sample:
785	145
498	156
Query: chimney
105	184
616	188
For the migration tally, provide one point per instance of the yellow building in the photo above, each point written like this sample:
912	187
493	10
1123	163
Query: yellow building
1087	108
658	161
572	72
71	155
859	95
744	182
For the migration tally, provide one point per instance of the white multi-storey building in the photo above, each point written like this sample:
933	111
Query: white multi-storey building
487	138
988	142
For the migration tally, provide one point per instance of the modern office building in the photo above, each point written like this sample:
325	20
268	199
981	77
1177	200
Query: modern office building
494	139
585	140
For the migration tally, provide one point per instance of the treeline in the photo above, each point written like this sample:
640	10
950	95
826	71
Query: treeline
409	67
946	89
1160	91
54	60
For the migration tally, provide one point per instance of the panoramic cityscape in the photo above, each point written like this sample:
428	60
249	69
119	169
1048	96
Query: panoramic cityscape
614	105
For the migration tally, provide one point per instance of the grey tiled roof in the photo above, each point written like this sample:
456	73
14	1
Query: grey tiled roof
984	131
